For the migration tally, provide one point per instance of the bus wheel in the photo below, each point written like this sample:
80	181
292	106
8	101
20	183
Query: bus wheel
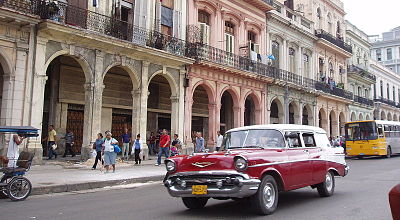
388	152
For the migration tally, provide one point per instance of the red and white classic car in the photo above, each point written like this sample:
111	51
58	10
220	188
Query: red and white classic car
257	162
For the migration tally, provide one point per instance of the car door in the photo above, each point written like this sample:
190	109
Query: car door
318	165
300	165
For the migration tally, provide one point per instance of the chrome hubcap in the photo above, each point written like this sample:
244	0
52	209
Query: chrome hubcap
19	188
328	182
269	195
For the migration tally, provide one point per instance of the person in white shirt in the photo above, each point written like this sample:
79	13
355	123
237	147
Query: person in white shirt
220	138
13	149
108	151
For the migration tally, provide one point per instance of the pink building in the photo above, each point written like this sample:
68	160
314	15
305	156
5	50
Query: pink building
226	88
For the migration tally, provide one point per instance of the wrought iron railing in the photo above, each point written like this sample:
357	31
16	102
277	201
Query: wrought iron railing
270	2
336	41
361	72
363	100
386	101
23	6
326	88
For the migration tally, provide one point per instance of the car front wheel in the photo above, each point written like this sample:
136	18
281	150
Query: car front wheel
194	203
326	188
265	201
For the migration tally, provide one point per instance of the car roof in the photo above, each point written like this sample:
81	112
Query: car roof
281	127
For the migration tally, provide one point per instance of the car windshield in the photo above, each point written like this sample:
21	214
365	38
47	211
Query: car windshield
254	139
361	131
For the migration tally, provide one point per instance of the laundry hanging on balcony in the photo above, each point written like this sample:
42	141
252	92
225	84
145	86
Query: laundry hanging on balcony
96	3
253	56
264	59
271	57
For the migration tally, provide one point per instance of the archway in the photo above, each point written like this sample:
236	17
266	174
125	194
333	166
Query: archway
64	100
395	118
367	117
389	116
342	121
333	124
159	105
202	97
228	120
383	115
116	112
353	116
276	112
322	119
307	117
293	113
360	117
249	112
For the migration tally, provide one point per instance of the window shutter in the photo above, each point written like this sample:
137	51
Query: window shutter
257	48
205	33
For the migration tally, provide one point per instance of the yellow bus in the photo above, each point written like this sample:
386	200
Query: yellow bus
372	138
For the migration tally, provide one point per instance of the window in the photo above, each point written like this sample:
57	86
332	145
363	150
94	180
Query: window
331	69
292	63
275	53
381	89
359	92
309	140
398	95
251	38
168	3
229	37
254	138
394	94
379	55
167	19
329	24
294	142
306	65
338	30
388	91
360	131
366	93
204	22
389	54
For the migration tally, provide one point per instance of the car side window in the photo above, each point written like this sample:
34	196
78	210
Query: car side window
309	140
294	142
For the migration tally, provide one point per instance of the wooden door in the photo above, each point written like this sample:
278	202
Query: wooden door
119	123
77	13
75	124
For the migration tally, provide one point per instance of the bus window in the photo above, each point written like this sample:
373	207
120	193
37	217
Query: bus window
380	131
361	131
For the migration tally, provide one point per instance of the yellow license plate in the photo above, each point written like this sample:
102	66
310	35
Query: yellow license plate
199	189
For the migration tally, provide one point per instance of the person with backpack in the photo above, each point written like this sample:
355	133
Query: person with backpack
108	151
137	148
98	145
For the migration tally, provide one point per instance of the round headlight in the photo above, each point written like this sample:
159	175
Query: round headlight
170	166
240	164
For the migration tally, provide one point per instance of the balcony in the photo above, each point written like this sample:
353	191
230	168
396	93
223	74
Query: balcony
320	86
361	73
293	17
387	101
265	5
90	21
336	41
363	101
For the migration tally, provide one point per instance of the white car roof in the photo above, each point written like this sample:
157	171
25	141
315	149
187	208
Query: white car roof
281	127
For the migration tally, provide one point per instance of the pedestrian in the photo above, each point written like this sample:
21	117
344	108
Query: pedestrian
157	148
51	140
164	146
199	143
152	144
13	149
98	145
69	142
220	138
175	146
126	140
137	148
108	151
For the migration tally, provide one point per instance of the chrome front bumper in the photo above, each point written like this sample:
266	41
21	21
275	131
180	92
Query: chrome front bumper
346	170
229	184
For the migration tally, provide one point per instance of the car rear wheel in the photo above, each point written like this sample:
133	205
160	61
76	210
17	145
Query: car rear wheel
265	201
194	203
326	188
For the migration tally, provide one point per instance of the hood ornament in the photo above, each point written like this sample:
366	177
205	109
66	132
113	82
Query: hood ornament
202	164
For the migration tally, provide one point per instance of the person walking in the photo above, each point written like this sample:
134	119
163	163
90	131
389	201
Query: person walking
69	142
126	140
152	144
218	143
51	140
199	143
138	147
98	145
164	146
175	146
13	149
108	151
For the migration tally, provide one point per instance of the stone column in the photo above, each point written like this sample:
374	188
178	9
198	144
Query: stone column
37	98
300	116
236	116
283	58
181	104
174	114
189	148
136	112
144	94
286	105
300	61
211	125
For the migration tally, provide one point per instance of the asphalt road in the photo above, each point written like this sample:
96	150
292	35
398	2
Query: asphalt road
363	194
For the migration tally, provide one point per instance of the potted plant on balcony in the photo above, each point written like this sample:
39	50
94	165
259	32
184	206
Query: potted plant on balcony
340	85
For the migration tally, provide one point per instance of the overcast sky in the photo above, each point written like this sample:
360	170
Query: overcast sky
371	16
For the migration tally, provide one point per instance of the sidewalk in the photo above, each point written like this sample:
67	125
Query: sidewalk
71	175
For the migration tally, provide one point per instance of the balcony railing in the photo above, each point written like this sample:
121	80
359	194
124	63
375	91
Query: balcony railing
270	2
336	41
361	72
23	6
363	100
333	90
387	101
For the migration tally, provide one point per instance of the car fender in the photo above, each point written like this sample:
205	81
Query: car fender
277	175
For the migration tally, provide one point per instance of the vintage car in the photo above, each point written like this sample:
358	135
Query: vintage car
256	163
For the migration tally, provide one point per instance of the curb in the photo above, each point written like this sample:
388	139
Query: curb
91	185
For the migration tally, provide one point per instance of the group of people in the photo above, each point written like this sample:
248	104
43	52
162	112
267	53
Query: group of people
339	141
199	143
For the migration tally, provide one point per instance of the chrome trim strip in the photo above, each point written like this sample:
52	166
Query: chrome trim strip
210	172
293	161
